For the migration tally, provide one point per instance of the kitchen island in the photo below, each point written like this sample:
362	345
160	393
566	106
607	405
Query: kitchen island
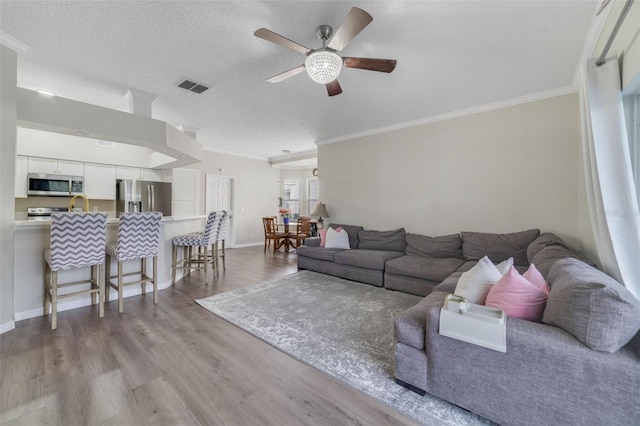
32	239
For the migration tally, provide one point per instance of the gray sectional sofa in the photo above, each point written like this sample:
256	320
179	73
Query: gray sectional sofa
580	366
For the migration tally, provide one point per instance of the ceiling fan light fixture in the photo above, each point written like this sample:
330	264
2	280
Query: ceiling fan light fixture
323	66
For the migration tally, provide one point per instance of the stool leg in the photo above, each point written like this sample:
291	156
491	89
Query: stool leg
101	287
120	303
54	300
47	294
155	280
94	284
206	249
174	259
224	267
143	275
186	256
216	267
107	277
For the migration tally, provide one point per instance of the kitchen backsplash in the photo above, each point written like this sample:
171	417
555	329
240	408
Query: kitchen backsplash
108	206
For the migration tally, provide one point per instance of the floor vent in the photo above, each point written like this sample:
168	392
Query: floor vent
192	86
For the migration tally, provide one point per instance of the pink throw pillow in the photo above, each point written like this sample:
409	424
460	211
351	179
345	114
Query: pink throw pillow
517	296
535	277
323	235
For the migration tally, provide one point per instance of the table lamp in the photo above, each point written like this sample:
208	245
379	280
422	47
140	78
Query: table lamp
320	210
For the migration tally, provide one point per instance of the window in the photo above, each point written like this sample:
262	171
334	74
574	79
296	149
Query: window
291	196
632	115
312	190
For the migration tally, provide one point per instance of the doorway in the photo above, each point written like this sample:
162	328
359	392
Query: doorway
219	196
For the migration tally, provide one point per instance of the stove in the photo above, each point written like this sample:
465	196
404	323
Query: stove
44	213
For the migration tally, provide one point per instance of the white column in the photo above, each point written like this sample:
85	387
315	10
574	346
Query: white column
140	102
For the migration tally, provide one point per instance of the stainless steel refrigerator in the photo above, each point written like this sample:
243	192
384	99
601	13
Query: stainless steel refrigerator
143	196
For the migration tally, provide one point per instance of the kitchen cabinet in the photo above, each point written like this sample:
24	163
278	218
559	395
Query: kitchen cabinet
21	176
100	181
137	173
55	167
185	190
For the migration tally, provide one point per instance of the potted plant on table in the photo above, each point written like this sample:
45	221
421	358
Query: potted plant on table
286	214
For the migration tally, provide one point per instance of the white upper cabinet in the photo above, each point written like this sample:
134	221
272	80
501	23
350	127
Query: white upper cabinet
100	181
55	167
186	192
136	173
21	176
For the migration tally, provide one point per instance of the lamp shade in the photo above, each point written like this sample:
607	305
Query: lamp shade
320	210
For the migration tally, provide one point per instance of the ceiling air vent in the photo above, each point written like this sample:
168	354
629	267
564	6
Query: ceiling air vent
192	86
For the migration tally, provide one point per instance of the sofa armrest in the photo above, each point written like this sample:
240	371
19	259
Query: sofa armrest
543	363
312	241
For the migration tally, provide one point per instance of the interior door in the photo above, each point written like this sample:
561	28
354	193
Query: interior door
219	196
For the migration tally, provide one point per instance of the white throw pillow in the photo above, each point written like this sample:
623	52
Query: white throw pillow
337	239
475	284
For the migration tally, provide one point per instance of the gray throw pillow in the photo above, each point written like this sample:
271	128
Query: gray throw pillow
447	246
383	240
596	309
545	239
499	247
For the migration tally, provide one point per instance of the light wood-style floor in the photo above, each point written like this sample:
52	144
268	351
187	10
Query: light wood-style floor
172	363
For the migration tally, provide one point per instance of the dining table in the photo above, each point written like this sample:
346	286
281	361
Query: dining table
286	241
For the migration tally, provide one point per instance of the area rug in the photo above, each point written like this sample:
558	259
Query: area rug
340	327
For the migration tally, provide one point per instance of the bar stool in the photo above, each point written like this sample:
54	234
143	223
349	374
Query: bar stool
196	239
221	236
77	241
138	239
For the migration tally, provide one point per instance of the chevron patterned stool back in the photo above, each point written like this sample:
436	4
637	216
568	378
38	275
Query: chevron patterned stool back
77	240
221	236
138	239
199	240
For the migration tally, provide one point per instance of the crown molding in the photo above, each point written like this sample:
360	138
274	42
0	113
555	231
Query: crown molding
12	43
456	114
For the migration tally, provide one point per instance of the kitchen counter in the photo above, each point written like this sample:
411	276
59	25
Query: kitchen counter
21	224
32	238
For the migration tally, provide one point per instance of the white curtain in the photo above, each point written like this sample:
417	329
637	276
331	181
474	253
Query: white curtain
613	205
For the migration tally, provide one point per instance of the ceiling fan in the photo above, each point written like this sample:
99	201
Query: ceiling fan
323	64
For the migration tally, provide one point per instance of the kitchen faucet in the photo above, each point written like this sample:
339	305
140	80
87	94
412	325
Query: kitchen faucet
73	201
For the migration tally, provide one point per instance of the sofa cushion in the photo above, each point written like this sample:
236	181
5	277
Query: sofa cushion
476	282
394	240
599	311
352	231
428	268
337	239
367	259
447	246
498	247
517	297
544	240
318	253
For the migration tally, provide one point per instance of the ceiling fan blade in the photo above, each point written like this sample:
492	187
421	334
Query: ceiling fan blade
284	75
355	21
333	88
382	65
282	41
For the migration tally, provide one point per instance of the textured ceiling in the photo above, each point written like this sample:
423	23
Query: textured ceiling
451	55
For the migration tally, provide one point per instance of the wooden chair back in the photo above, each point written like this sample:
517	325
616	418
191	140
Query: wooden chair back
269	224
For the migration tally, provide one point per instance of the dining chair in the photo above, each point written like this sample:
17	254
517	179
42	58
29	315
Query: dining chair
198	240
271	233
77	240
138	239
302	231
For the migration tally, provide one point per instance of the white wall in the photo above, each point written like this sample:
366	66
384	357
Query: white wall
256	192
8	79
504	170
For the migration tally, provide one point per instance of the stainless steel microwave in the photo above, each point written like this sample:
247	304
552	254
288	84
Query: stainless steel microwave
54	185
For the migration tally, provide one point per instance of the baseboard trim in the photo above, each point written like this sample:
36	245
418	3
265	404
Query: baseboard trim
248	245
410	387
133	290
7	326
